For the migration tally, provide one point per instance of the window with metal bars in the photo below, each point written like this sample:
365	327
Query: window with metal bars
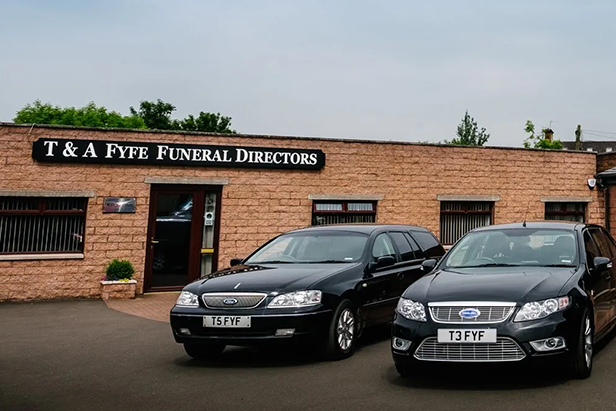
32	225
565	211
459	217
343	212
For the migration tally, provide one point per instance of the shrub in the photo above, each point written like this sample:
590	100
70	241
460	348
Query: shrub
119	270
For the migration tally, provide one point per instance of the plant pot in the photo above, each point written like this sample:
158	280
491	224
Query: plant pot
118	290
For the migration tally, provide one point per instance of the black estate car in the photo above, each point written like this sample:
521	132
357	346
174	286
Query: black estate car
523	292
320	285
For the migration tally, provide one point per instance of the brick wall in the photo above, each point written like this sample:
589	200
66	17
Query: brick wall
258	204
605	161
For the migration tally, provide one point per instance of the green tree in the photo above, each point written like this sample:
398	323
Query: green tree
468	134
88	116
540	140
157	116
153	115
211	122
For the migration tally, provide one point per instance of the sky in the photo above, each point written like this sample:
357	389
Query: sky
400	70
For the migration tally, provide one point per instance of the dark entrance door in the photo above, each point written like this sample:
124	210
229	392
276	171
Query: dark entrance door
182	236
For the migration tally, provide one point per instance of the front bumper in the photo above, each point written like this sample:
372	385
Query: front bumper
513	344
264	324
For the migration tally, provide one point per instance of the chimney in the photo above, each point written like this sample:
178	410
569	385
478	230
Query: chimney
549	134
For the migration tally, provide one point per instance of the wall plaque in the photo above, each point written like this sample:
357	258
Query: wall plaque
119	205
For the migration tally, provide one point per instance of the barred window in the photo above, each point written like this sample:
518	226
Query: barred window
42	225
340	212
459	217
565	211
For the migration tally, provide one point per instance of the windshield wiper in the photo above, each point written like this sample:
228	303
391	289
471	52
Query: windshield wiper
328	262
557	265
274	262
488	265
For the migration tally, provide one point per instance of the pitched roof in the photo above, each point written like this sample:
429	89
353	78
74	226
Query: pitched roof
590	145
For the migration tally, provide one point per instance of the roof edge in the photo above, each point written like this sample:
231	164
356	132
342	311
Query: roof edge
279	137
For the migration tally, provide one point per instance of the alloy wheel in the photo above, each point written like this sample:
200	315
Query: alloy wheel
587	342
346	329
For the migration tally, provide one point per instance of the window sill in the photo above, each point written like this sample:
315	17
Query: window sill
25	257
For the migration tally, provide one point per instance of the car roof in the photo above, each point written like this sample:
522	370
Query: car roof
366	228
562	225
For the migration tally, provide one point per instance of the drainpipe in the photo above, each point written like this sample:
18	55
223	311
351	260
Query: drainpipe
606	198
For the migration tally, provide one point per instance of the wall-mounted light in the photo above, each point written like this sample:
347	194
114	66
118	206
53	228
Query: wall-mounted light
592	183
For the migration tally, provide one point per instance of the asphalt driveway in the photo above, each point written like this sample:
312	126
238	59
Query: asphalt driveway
81	355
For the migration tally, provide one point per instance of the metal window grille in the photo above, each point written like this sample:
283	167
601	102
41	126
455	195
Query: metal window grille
565	211
459	217
42	225
343	212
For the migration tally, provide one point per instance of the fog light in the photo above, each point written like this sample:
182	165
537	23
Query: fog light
400	344
285	332
549	344
184	331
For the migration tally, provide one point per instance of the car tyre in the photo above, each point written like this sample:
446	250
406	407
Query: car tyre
582	358
403	369
342	333
204	351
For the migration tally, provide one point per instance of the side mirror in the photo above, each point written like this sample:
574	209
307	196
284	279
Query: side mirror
236	261
384	261
601	264
428	265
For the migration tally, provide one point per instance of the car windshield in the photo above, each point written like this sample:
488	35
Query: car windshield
312	248
515	247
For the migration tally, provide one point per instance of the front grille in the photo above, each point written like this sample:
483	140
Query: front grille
243	300
489	312
504	349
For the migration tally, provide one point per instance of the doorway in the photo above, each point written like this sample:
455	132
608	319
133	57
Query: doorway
183	234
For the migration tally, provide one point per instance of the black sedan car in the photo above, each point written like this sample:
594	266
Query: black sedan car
523	292
321	285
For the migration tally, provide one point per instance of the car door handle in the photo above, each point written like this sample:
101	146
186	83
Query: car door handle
401	275
153	241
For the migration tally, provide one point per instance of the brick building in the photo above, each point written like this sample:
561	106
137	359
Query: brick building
598	146
178	205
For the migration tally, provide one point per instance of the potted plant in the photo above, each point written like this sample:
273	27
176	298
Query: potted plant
118	282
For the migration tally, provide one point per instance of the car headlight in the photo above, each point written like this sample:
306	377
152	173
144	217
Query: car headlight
411	310
541	309
296	299
187	299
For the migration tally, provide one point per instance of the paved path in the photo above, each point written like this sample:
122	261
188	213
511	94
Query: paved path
81	355
155	306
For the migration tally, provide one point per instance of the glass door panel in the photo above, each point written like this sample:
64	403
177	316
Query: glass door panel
171	239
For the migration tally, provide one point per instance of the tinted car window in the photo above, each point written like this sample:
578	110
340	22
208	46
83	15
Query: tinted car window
429	243
591	249
414	246
602	243
382	247
610	243
406	252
